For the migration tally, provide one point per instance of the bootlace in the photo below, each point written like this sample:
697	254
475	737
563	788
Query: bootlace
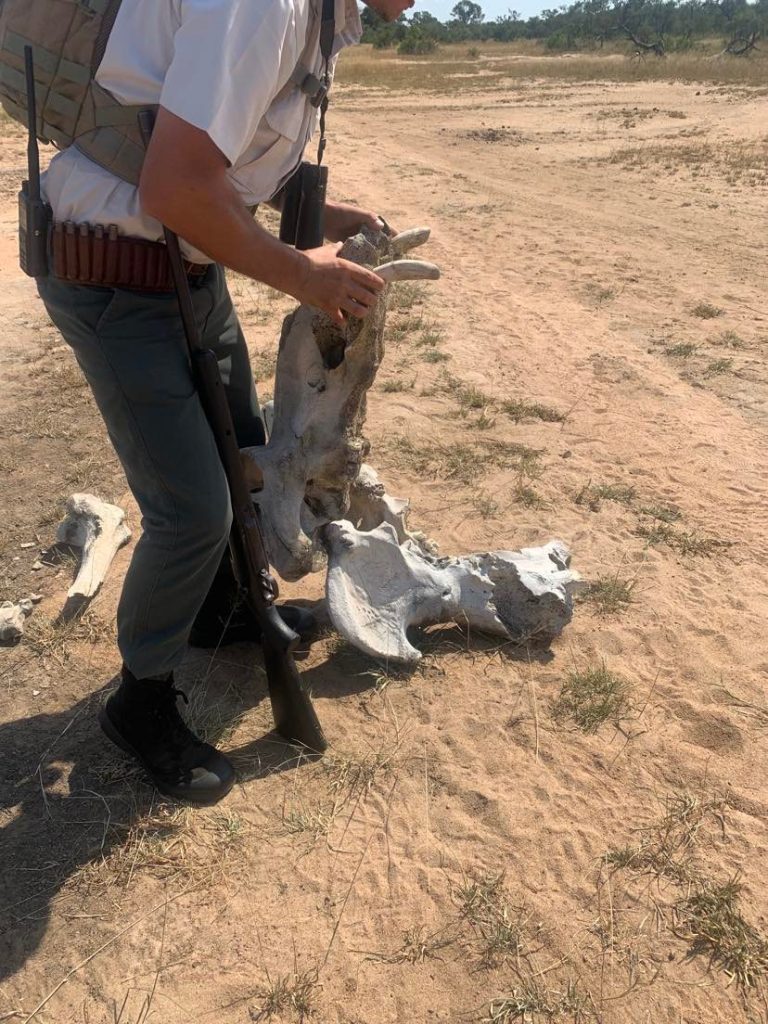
178	747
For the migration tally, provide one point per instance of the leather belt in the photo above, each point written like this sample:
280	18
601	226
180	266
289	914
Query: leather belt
93	254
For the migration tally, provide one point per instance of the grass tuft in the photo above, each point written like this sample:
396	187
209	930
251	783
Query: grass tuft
682	350
498	925
288	993
730	339
397	384
461	461
718	366
610	594
706	311
592	495
712	922
591	697
434	355
404	295
418	946
665	513
520	409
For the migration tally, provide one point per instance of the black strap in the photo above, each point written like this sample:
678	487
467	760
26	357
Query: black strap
327	35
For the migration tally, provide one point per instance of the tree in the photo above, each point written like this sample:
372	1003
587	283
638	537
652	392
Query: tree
467	12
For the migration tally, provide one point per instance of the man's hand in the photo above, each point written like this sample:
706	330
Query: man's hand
337	286
341	220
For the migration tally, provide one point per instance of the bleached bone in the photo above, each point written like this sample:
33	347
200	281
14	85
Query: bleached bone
316	444
99	529
407	270
407	240
370	506
377	588
13	617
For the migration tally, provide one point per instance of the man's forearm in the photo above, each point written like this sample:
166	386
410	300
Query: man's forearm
214	220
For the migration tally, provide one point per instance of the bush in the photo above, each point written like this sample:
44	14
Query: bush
417	43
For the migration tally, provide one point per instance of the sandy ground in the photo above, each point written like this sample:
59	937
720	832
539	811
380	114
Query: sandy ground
463	853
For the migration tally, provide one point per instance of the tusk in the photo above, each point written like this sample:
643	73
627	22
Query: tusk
407	270
409	239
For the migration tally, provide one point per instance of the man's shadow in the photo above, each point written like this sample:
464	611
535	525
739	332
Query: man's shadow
68	798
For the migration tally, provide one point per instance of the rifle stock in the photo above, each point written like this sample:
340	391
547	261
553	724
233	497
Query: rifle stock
292	710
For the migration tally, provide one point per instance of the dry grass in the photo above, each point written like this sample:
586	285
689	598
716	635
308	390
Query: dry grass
738	163
435	355
706	311
706	913
519	409
462	461
404	295
53	638
395	385
288	993
418	946
730	339
610	594
711	920
499	926
667	846
592	696
681	350
717	367
592	495
665	513
517	67
686	542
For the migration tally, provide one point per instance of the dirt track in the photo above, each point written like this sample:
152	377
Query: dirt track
627	294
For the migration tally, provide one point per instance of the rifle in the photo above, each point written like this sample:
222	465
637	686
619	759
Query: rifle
34	214
292	710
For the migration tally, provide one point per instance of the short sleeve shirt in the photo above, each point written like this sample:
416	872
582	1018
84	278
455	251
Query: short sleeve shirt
221	65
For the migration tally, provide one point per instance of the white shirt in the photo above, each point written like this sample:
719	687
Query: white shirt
219	65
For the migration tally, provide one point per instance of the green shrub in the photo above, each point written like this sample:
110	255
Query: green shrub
416	43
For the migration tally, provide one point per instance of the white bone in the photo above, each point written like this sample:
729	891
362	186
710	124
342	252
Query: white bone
316	444
407	270
13	617
410	239
99	529
370	506
377	588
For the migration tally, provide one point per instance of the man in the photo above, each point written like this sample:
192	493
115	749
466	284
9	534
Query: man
229	131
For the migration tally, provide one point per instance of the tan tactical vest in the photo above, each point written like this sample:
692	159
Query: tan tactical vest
68	38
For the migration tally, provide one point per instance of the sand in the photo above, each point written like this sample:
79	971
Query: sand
464	852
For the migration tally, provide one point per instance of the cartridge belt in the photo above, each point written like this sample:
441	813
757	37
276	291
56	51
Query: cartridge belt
98	255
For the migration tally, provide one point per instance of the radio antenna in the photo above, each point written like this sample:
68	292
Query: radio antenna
33	153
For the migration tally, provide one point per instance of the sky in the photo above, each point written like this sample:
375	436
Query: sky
491	8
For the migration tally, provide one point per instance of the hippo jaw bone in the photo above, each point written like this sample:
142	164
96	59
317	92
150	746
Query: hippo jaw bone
377	588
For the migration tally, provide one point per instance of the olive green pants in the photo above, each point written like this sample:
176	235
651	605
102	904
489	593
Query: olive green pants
131	348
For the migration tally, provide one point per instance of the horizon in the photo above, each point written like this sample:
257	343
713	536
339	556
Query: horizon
492	9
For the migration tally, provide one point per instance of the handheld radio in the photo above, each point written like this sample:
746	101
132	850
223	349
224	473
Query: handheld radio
301	223
34	215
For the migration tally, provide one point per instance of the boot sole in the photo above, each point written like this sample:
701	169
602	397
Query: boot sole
109	730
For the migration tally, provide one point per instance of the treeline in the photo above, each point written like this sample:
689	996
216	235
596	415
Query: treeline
653	26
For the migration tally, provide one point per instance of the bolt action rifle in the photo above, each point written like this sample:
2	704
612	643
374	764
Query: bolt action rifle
294	715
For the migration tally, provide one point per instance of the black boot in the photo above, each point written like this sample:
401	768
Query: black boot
225	619
141	717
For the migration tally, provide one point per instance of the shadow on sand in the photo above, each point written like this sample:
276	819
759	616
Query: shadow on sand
62	809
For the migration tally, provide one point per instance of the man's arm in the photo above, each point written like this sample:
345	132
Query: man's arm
184	185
